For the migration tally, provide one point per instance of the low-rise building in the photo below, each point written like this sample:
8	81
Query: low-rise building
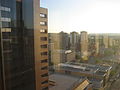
95	73
70	55
68	82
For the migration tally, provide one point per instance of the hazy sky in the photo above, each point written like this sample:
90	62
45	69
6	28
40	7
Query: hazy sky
93	16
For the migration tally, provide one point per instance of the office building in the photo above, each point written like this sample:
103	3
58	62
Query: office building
23	45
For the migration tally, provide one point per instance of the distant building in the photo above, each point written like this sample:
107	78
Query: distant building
110	42
54	48
105	40
84	45
58	44
70	55
93	44
64	40
74	41
64	45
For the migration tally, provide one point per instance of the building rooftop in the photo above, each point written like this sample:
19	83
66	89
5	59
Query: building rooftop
85	68
68	82
64	82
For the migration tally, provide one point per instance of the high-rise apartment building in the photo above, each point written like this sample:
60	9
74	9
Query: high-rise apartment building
59	43
54	48
93	44
74	41
64	40
23	45
110	42
105	40
64	45
84	45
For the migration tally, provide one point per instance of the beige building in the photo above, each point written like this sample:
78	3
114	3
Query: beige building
110	42
97	43
84	45
54	48
105	40
70	55
93	44
74	41
40	46
58	44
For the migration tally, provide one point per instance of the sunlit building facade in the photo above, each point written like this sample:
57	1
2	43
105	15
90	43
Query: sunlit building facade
74	41
84	45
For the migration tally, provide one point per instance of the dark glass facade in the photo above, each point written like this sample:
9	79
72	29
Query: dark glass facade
16	45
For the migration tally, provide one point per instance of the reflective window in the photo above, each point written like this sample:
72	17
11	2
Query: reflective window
43	15
43	31
43	23
44	82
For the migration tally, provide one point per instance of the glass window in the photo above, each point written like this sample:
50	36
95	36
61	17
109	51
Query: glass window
44	82
44	61
44	68
44	53
43	31
43	15
45	88
43	23
45	75
44	46
43	38
5	24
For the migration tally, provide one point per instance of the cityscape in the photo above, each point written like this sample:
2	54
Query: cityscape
35	57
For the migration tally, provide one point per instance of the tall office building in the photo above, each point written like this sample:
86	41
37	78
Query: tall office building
84	45
21	33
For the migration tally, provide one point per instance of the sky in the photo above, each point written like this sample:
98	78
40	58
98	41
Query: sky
93	16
